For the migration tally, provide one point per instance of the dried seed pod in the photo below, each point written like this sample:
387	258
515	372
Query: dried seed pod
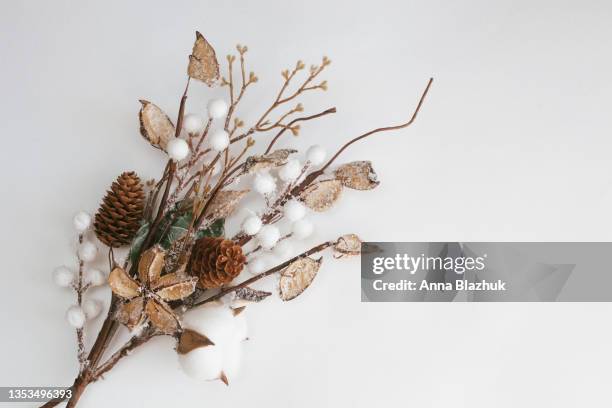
322	195
118	218
358	175
216	261
203	64
155	125
297	277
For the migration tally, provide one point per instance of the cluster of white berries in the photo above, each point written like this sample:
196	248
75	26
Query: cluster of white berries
65	277
220	361
178	149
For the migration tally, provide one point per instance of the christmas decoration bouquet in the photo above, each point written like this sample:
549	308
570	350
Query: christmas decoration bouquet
173	268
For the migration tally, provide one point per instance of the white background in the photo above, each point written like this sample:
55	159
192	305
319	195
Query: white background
513	143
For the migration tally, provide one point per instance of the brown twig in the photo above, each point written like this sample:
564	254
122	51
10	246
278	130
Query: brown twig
294	121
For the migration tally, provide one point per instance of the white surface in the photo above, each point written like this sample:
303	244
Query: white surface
512	144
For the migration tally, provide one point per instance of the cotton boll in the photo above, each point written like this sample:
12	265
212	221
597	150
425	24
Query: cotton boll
232	360
217	108
283	249
302	228
193	123
251	225
290	171
264	183
219	140
81	221
75	316
257	265
95	277
63	276
294	210
240	327
177	149
316	155
268	236
214	321
203	363
91	308
87	251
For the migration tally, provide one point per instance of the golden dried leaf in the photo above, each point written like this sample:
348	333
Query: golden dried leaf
297	277
348	245
151	264
225	203
155	125
203	64
275	159
131	313
358	175
322	195
190	340
174	286
162	317
122	285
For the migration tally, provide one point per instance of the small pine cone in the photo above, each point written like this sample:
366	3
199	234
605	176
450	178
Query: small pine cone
216	261
118	218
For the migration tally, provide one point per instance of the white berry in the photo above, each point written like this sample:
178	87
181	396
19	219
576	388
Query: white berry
95	277
75	316
283	249
290	171
294	210
257	265
177	149
87	251
264	183
316	155
219	140
217	108
81	221
63	276
302	228
251	225
91	308
193	123
268	236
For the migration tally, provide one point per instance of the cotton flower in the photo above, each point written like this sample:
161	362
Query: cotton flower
294	210
219	140
91	308
217	108
316	155
268	236
290	171
95	277
251	225
63	276
87	251
264	183
193	123
302	228
75	316
81	221
177	149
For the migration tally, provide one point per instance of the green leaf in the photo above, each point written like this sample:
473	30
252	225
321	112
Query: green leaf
216	229
136	247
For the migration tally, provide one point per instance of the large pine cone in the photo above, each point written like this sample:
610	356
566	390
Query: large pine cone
118	218
216	261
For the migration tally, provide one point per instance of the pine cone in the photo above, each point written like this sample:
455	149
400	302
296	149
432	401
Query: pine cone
216	261
118	218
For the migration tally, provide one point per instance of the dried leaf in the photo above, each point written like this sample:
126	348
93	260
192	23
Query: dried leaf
358	175
162	317
122	285
190	340
155	125
151	264
267	161
225	203
251	295
203	64
347	245
131	313
322	195
297	277
175	286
